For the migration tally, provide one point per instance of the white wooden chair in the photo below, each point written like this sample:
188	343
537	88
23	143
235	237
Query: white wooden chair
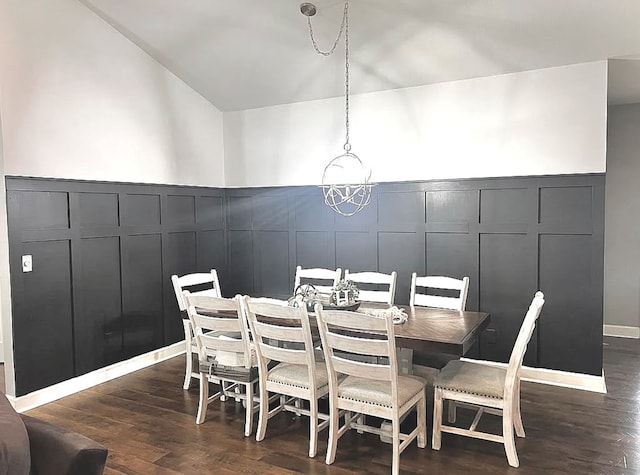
297	376
227	361
459	302
187	282
427	365
372	386
489	389
318	275
383	296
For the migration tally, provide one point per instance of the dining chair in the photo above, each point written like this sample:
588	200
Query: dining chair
187	282
458	286
374	278
225	354
322	279
360	352
488	389
297	375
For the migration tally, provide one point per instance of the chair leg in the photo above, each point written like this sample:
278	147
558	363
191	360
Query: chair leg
189	355
395	434
507	434
248	423
437	419
313	427
334	426
517	415
422	422
204	398
264	410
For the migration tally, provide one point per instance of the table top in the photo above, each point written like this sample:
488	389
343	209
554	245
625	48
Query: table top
439	330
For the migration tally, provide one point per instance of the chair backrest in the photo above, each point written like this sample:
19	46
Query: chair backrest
280	333
520	346
221	329
187	281
359	345
318	275
384	296
459	302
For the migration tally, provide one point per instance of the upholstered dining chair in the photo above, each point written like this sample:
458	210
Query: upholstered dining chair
297	375
188	282
322	279
372	386
488	389
225	354
455	302
386	295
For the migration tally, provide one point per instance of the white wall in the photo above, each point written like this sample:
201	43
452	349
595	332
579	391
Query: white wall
622	227
550	121
81	101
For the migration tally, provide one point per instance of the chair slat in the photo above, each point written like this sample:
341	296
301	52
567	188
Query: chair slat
286	355
340	318
440	282
217	324
361	369
220	343
437	301
363	346
279	332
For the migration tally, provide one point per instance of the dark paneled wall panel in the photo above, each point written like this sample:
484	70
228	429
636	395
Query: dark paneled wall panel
49	210
180	210
240	270
42	337
142	210
98	322
98	209
401	252
356	251
312	250
273	263
570	323
507	284
142	294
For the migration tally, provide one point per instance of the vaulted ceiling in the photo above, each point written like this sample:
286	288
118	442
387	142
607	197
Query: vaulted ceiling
243	54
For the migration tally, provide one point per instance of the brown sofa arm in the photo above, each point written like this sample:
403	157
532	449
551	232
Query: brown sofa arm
59	451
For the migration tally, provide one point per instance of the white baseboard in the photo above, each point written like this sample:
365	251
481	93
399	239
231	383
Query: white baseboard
621	331
71	386
552	377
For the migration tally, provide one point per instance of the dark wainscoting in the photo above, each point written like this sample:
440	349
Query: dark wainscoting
510	236
103	253
100	290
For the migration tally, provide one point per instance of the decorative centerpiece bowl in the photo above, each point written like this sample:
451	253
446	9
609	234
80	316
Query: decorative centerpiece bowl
344	296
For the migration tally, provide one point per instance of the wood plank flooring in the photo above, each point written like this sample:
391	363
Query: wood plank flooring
148	423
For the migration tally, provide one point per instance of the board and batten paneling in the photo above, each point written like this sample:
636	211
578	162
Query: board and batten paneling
103	253
511	236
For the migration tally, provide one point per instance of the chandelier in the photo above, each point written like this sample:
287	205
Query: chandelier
345	181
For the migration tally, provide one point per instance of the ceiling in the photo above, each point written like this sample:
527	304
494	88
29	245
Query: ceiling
244	54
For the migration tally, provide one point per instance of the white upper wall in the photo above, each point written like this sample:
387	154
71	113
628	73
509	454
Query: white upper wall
542	122
81	101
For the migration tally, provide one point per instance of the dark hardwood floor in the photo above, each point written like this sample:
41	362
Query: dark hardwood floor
148	423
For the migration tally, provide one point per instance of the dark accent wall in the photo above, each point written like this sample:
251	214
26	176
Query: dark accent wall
103	253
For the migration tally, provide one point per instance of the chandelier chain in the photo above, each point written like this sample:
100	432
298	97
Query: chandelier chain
330	51
347	145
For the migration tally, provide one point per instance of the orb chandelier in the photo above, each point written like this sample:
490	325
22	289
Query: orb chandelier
346	179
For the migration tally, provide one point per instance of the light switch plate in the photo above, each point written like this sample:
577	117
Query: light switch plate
27	263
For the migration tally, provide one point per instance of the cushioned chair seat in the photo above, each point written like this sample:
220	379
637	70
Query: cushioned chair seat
298	375
472	378
379	392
